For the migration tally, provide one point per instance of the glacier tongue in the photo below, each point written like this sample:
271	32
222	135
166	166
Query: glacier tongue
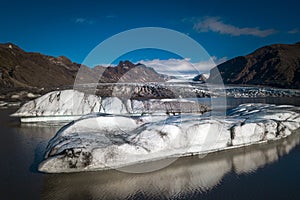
97	142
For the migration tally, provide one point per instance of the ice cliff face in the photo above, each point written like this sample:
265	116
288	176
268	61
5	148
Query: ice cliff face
98	142
75	103
66	102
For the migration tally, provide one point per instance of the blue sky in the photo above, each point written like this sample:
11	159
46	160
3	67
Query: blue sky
74	28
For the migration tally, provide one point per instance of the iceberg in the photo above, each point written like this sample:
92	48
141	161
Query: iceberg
99	142
67	105
59	105
183	176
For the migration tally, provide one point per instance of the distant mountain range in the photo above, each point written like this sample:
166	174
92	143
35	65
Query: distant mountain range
276	65
26	69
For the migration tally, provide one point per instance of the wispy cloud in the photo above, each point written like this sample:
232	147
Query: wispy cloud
215	24
81	20
182	66
294	31
110	16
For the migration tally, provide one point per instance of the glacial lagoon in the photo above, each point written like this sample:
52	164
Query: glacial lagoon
259	171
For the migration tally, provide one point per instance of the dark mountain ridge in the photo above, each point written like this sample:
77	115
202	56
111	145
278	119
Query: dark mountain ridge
275	65
20	69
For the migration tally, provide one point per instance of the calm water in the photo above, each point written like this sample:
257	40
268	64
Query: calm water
257	172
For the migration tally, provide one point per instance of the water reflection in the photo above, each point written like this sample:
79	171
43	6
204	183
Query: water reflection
32	140
185	176
22	148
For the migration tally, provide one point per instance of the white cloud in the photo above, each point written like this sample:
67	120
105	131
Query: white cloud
215	24
110	16
83	21
104	65
294	31
182	66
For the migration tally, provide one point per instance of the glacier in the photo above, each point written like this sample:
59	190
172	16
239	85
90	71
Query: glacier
107	141
67	105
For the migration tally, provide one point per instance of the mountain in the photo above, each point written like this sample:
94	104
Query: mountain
126	72
276	65
20	69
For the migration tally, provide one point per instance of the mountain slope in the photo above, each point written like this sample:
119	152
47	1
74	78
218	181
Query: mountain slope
21	69
275	65
25	69
129	72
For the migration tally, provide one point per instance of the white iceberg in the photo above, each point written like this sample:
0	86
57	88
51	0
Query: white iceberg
98	142
59	105
67	105
183	176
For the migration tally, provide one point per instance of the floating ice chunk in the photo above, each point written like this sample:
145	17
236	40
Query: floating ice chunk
98	142
65	102
113	105
71	104
182	176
